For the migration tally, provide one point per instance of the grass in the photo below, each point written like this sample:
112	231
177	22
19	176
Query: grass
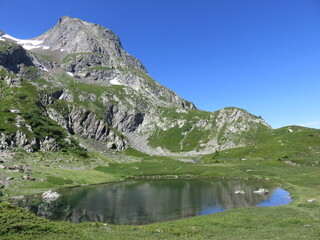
288	158
298	220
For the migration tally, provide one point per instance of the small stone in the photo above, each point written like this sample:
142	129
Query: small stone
27	177
311	200
249	170
9	178
240	192
2	167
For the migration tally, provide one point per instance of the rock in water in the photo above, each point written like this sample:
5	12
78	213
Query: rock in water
50	196
240	192
262	191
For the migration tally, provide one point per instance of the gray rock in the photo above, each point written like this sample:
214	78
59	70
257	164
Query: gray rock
27	177
262	191
240	192
50	196
13	56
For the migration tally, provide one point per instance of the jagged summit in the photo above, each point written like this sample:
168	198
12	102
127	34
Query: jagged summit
73	35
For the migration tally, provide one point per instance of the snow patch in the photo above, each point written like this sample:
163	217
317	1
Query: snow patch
44	69
27	44
115	82
70	74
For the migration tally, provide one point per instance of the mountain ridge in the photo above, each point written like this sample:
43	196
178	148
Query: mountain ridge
87	84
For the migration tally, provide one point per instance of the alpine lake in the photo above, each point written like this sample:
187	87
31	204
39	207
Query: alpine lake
148	201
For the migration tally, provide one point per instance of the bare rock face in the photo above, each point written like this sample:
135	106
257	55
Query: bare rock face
14	56
18	139
87	125
73	35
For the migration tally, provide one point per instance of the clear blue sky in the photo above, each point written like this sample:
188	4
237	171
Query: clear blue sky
260	55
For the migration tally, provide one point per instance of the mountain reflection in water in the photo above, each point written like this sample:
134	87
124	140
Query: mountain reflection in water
142	202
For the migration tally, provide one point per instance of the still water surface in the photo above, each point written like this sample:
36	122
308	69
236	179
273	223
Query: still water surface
143	202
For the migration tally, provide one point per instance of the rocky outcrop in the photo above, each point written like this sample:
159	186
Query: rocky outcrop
13	56
87	125
17	139
21	140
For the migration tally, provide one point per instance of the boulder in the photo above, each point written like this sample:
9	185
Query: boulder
50	196
16	167
240	192
262	191
27	177
2	167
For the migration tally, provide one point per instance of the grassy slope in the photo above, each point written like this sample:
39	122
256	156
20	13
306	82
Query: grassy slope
298	220
195	131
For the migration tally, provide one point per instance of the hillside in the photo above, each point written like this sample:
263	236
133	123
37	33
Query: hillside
76	109
83	81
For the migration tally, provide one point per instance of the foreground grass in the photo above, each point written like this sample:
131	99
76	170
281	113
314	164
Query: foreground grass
298	220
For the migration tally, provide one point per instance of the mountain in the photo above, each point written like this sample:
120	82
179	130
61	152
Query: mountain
75	87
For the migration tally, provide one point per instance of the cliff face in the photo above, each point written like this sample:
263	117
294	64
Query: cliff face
82	83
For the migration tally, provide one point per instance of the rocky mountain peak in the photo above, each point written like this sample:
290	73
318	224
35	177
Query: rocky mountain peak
73	35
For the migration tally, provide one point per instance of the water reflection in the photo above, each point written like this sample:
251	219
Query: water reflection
142	202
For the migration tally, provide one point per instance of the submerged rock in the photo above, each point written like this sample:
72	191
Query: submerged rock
50	196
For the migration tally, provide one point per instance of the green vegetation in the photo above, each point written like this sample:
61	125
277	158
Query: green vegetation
298	220
21	111
186	137
287	156
5	45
